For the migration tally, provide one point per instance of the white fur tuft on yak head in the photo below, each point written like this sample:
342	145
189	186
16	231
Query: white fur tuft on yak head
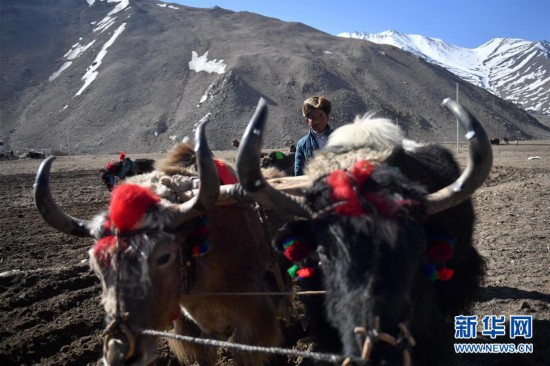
385	227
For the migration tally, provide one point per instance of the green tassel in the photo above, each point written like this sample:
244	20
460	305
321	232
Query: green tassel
292	270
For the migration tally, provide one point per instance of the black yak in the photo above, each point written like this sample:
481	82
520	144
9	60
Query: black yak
388	223
280	161
115	172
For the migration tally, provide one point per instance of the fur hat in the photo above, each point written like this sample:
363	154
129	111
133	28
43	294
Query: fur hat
319	102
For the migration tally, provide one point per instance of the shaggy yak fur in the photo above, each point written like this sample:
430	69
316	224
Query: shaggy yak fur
371	245
159	274
387	282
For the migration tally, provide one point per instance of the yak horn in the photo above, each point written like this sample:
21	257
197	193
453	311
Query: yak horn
49	210
209	188
479	165
249	172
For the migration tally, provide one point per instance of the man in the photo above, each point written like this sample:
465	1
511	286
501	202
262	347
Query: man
316	110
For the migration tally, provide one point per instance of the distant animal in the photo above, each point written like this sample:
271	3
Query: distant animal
35	155
163	249
505	141
386	224
115	172
494	141
279	160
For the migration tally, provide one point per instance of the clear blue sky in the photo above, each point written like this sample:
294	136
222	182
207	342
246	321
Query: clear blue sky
464	23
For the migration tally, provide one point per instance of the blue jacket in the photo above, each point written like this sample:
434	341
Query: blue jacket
304	150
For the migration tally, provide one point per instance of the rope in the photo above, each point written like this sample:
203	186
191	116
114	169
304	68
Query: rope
326	357
305	293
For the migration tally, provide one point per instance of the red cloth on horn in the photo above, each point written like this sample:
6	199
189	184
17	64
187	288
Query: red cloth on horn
226	177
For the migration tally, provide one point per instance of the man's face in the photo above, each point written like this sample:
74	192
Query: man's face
317	120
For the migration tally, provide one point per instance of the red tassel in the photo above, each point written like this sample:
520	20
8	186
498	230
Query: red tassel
297	251
440	251
445	274
305	272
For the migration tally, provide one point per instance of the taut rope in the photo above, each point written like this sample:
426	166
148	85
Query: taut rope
326	357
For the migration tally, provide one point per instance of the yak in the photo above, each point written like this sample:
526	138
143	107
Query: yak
162	252
386	224
280	161
120	170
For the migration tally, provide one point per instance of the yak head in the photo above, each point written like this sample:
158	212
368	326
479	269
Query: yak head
365	235
362	224
107	175
142	250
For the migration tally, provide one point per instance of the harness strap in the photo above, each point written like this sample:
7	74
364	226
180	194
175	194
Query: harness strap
118	325
374	335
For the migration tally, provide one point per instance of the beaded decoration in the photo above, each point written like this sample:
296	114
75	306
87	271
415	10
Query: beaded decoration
296	251
440	250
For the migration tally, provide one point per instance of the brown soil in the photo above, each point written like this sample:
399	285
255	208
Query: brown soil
49	300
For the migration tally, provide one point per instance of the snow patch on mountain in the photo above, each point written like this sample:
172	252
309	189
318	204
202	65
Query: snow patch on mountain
201	63
514	69
91	72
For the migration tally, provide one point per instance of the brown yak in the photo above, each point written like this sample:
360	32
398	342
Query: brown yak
161	245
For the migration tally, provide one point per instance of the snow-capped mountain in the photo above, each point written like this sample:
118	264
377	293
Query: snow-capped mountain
514	69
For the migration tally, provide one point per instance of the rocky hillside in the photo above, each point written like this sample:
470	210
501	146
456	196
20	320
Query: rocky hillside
136	75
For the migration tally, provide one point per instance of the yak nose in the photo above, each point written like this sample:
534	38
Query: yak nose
115	351
119	344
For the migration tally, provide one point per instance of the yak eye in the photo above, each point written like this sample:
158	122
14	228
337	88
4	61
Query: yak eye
163	259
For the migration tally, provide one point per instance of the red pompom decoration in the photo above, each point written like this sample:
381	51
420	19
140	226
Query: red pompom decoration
305	272
361	171
129	202
445	274
440	251
342	191
296	251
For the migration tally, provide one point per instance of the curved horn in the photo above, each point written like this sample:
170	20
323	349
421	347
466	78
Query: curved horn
50	212
479	165
249	172
209	188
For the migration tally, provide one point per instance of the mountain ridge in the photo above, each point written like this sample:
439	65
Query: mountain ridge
514	69
130	85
